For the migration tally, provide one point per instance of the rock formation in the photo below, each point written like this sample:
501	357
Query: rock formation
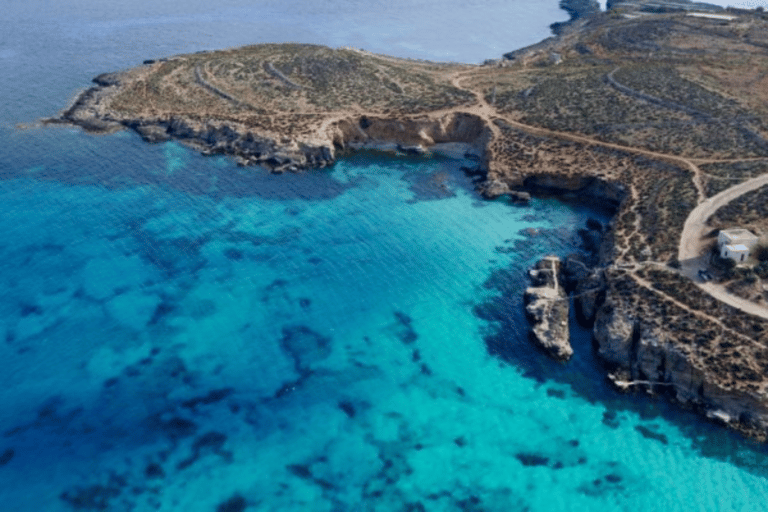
600	127
492	189
547	308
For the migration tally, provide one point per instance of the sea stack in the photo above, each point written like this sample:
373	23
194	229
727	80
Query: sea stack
547	308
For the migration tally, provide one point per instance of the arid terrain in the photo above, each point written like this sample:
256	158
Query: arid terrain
654	114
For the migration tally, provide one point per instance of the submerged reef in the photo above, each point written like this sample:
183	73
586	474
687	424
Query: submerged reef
624	109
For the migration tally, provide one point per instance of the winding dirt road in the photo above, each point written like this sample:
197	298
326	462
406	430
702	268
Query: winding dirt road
692	243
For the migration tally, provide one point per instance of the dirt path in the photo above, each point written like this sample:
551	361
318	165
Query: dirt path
692	244
488	113
482	109
678	160
647	285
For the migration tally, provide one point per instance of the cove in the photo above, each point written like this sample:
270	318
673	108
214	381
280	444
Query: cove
185	334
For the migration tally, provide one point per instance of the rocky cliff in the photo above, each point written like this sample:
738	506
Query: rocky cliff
616	118
456	132
652	352
547	308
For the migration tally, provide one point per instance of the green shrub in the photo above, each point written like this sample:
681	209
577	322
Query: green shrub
761	253
723	264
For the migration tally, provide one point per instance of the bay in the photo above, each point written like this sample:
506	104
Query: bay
178	333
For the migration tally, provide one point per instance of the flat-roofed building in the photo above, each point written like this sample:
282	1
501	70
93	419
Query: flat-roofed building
737	253
736	243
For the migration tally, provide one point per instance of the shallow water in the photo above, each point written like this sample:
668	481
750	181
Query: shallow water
178	333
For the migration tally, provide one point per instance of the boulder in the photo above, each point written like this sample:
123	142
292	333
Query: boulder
153	132
492	189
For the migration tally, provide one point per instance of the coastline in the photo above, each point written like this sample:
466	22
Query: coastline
520	157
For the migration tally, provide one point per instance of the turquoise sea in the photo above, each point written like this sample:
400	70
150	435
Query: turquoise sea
181	334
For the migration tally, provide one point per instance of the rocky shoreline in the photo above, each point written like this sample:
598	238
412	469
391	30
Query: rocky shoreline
612	289
457	134
548	308
636	359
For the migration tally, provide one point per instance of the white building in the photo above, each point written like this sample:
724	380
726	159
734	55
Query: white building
736	243
737	253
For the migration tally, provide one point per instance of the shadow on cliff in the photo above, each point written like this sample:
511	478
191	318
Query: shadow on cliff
585	374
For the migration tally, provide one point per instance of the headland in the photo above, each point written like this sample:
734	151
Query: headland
651	108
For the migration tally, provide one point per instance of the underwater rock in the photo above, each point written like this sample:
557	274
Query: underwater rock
177	427
493	189
93	497
154	471
611	419
6	456
532	459
305	346
234	504
215	395
348	408
650	434
406	333
209	442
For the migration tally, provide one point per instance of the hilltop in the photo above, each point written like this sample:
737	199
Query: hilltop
653	113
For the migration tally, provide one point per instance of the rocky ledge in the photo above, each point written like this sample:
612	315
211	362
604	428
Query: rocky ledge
547	308
456	134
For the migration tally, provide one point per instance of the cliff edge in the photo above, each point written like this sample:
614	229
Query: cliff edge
649	114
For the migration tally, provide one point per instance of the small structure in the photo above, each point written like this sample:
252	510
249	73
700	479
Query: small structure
736	243
737	253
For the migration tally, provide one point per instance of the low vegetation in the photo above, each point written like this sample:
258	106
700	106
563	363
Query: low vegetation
650	116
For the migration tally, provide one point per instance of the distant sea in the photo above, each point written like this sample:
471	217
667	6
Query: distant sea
180	334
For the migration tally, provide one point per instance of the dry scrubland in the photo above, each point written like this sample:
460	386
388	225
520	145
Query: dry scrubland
655	115
749	210
284	90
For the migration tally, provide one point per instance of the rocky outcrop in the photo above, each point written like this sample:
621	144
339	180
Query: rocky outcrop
588	285
576	9
409	135
547	309
492	189
644	354
614	330
609	193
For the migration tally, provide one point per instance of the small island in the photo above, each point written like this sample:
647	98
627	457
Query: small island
658	109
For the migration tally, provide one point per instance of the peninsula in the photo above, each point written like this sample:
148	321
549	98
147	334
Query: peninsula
662	114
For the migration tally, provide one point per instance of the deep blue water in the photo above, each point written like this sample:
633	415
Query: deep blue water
180	334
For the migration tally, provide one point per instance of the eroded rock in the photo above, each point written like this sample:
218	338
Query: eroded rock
547	309
613	332
492	189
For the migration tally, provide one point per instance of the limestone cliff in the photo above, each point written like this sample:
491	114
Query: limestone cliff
652	352
547	308
638	113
